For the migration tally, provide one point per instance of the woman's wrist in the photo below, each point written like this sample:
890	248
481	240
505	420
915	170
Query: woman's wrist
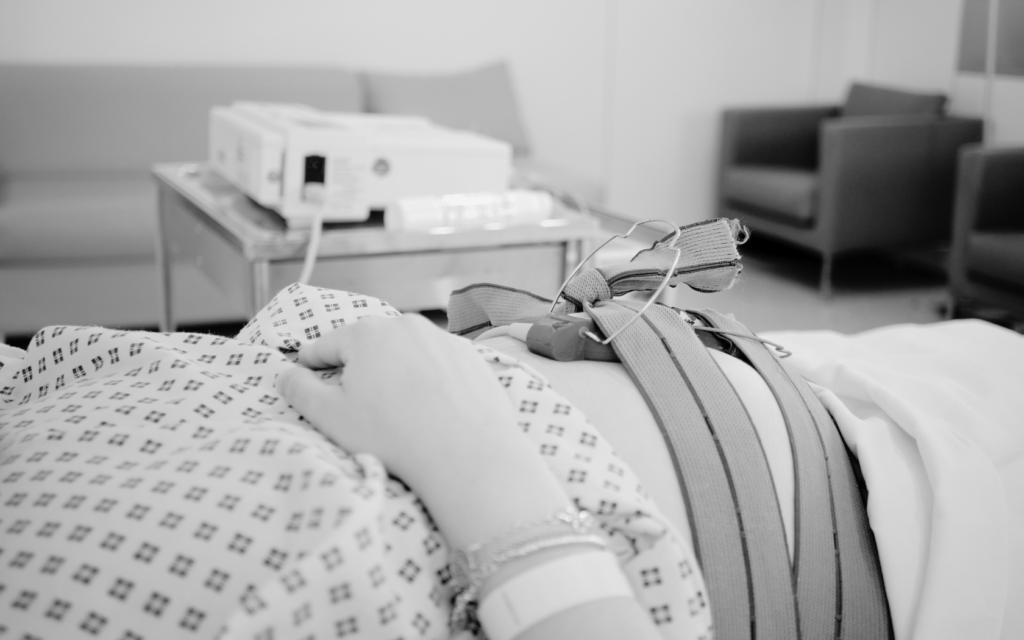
566	537
526	596
517	566
486	488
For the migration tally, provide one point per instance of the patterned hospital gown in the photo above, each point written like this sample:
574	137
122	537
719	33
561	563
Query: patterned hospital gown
156	486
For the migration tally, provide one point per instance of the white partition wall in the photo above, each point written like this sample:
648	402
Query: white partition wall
989	76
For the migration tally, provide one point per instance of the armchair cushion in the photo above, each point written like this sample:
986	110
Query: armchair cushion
869	100
791	194
998	256
480	100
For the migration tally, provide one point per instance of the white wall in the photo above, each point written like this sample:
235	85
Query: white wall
650	138
627	93
675	65
911	44
555	49
843	47
915	44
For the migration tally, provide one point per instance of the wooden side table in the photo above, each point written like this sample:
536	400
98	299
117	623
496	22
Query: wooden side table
250	254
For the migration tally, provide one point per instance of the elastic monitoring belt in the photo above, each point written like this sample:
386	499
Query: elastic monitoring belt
833	586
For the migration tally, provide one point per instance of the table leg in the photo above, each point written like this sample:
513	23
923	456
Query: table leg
583	248
166	205
570	254
575	252
260	286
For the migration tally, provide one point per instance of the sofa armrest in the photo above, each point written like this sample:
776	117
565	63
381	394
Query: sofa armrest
989	197
886	180
786	136
990	189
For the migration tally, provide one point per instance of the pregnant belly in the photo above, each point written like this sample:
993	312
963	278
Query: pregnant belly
606	394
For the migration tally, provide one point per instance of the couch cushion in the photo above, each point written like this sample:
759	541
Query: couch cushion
77	219
56	119
999	256
869	100
790	194
480	100
110	295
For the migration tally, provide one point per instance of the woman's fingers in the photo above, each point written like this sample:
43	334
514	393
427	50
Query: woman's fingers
335	348
332	350
319	402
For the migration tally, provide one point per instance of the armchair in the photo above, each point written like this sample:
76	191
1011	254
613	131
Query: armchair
987	259
875	173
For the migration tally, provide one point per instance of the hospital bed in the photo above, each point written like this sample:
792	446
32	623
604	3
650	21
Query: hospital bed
157	486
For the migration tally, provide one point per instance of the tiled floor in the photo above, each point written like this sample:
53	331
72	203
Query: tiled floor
778	289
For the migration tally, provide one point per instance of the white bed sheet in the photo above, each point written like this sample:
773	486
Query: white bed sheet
935	415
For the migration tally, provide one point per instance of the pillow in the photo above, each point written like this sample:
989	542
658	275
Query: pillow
480	100
868	100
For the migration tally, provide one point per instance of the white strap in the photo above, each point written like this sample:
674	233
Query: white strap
551	588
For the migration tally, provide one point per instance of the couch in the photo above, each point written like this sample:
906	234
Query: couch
873	173
987	257
77	203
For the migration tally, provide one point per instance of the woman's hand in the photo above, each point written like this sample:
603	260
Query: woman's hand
430	408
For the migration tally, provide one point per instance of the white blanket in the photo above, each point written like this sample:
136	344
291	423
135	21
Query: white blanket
935	415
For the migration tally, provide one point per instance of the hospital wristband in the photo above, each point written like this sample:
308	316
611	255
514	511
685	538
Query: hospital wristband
474	565
549	589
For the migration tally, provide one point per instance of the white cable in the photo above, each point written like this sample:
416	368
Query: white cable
517	330
313	248
493	332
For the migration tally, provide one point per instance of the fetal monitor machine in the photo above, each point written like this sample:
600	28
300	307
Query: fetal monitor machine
304	163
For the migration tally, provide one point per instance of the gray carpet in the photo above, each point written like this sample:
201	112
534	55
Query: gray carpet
778	289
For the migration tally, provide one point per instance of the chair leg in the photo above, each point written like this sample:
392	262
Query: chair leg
825	283
950	312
